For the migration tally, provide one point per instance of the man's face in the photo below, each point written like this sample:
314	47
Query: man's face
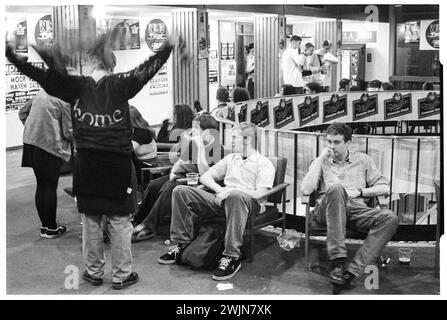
337	144
309	51
295	44
326	48
240	142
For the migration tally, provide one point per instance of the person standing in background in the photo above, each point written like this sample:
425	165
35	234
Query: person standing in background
292	65
46	144
327	60
250	70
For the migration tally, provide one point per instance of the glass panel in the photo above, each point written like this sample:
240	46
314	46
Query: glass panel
358	144
404	180
307	148
429	172
380	151
286	150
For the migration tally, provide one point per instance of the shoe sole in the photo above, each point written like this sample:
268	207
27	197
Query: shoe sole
93	282
227	277
337	282
123	286
134	240
53	236
166	261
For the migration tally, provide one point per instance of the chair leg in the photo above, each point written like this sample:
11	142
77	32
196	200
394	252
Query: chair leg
252	237
307	239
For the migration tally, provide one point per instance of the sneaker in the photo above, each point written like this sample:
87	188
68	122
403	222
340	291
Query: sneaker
53	233
131	279
93	280
228	267
43	232
173	255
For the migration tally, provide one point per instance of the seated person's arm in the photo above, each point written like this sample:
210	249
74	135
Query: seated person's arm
310	181
377	184
172	175
135	146
217	172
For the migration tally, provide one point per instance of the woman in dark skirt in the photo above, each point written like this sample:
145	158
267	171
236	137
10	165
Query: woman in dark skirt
103	174
46	144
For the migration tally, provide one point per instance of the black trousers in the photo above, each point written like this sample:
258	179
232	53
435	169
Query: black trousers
156	208
47	168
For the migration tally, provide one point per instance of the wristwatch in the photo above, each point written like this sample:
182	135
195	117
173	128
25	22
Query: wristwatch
361	192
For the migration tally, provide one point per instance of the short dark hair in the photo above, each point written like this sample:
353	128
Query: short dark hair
326	43
222	94
344	83
197	106
288	89
340	128
309	45
240	94
295	38
315	86
207	121
427	86
386	86
183	116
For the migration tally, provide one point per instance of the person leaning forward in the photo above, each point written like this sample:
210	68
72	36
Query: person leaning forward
246	174
346	178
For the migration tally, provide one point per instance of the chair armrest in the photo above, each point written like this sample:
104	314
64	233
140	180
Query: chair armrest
271	191
165	145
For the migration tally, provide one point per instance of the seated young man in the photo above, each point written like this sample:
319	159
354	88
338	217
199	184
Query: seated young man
202	140
246	174
346	178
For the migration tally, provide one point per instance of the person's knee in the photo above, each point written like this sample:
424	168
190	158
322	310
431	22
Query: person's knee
238	196
390	218
335	189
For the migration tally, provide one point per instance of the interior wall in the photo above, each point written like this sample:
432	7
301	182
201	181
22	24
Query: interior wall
214	45
14	128
378	68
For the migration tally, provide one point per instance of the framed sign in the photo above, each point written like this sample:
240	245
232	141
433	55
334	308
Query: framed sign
365	106
398	105
308	110
429	35
260	114
429	106
127	33
156	33
20	36
243	113
283	113
335	108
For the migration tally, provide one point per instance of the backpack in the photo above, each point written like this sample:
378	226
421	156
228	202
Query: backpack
206	248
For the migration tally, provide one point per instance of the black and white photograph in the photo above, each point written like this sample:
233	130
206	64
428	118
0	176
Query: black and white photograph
218	150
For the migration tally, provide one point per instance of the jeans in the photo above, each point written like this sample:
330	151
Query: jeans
337	211
93	245
190	204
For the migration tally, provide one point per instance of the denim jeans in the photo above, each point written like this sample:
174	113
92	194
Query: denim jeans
336	210
93	245
190	204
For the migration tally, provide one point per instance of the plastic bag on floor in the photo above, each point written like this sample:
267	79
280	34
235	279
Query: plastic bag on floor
289	239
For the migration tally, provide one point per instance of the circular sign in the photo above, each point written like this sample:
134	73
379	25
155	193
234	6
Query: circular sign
432	34
156	33
44	31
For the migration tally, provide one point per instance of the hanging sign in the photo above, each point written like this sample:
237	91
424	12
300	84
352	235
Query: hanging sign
156	33
365	106
429	106
429	35
335	108
43	33
260	114
283	113
398	105
308	110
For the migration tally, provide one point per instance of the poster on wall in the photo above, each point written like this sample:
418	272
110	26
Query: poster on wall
19	88
43	33
224	51
159	83
17	34
202	36
429	106
213	67
365	106
127	33
411	32
260	114
228	73
308	110
398	105
429	35
283	113
243	113
156	33
335	108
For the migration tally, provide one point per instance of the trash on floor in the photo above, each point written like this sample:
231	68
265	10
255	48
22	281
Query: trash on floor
289	239
167	242
224	286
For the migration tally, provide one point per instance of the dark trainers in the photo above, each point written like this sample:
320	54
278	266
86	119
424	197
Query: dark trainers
53	233
173	255
336	276
228	267
43	232
131	279
93	280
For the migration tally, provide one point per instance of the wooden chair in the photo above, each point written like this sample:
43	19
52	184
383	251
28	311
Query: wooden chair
276	195
310	202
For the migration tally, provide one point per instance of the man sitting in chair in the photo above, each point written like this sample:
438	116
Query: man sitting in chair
346	178
246	174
